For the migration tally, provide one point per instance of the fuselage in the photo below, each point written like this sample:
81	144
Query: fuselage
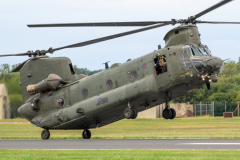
100	99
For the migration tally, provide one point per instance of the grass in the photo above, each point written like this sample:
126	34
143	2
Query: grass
200	127
120	154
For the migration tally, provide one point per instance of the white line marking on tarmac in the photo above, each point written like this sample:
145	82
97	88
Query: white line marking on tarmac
208	144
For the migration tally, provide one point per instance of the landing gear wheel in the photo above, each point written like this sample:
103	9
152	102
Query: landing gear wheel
45	134
128	113
167	113
135	113
86	134
173	113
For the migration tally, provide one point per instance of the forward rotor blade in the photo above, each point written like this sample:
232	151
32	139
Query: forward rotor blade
19	54
211	8
100	24
109	37
212	22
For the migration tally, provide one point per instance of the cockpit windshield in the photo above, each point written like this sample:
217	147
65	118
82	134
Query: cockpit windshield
197	51
203	51
207	50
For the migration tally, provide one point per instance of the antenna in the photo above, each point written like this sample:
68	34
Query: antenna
106	65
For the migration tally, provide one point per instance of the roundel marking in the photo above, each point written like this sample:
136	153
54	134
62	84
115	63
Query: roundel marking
144	66
99	99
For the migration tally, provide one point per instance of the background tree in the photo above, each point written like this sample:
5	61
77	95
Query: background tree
4	69
15	66
85	71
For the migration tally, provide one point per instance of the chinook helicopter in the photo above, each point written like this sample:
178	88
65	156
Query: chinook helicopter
56	98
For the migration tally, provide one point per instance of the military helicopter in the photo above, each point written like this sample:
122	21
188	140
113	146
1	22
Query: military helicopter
56	98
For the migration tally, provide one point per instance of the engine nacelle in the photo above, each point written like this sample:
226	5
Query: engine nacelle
48	85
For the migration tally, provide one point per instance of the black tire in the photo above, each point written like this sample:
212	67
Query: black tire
173	113
128	113
45	134
135	113
86	134
167	113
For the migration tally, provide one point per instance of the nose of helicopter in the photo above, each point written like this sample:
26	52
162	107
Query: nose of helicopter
208	65
216	63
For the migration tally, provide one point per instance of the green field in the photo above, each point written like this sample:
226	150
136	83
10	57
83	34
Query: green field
120	154
200	127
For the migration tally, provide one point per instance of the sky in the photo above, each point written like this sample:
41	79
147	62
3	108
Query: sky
15	37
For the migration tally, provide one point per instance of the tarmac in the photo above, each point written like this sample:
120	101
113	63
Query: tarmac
105	144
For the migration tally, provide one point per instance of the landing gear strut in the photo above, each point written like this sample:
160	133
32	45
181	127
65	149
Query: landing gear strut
45	134
168	113
130	113
86	134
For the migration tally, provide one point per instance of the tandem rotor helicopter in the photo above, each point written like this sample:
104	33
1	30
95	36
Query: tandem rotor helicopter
56	98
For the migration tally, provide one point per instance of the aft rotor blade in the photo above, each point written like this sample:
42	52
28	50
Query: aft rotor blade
109	37
19	54
211	8
100	24
50	50
212	22
18	68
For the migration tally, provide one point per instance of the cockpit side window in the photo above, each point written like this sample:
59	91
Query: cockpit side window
187	64
181	55
184	57
190	51
186	46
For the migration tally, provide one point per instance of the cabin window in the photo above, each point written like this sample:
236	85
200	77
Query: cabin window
71	68
134	74
160	64
60	102
109	84
85	93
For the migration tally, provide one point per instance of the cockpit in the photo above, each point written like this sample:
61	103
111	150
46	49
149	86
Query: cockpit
201	50
191	53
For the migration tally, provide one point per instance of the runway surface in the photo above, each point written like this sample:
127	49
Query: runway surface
122	144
